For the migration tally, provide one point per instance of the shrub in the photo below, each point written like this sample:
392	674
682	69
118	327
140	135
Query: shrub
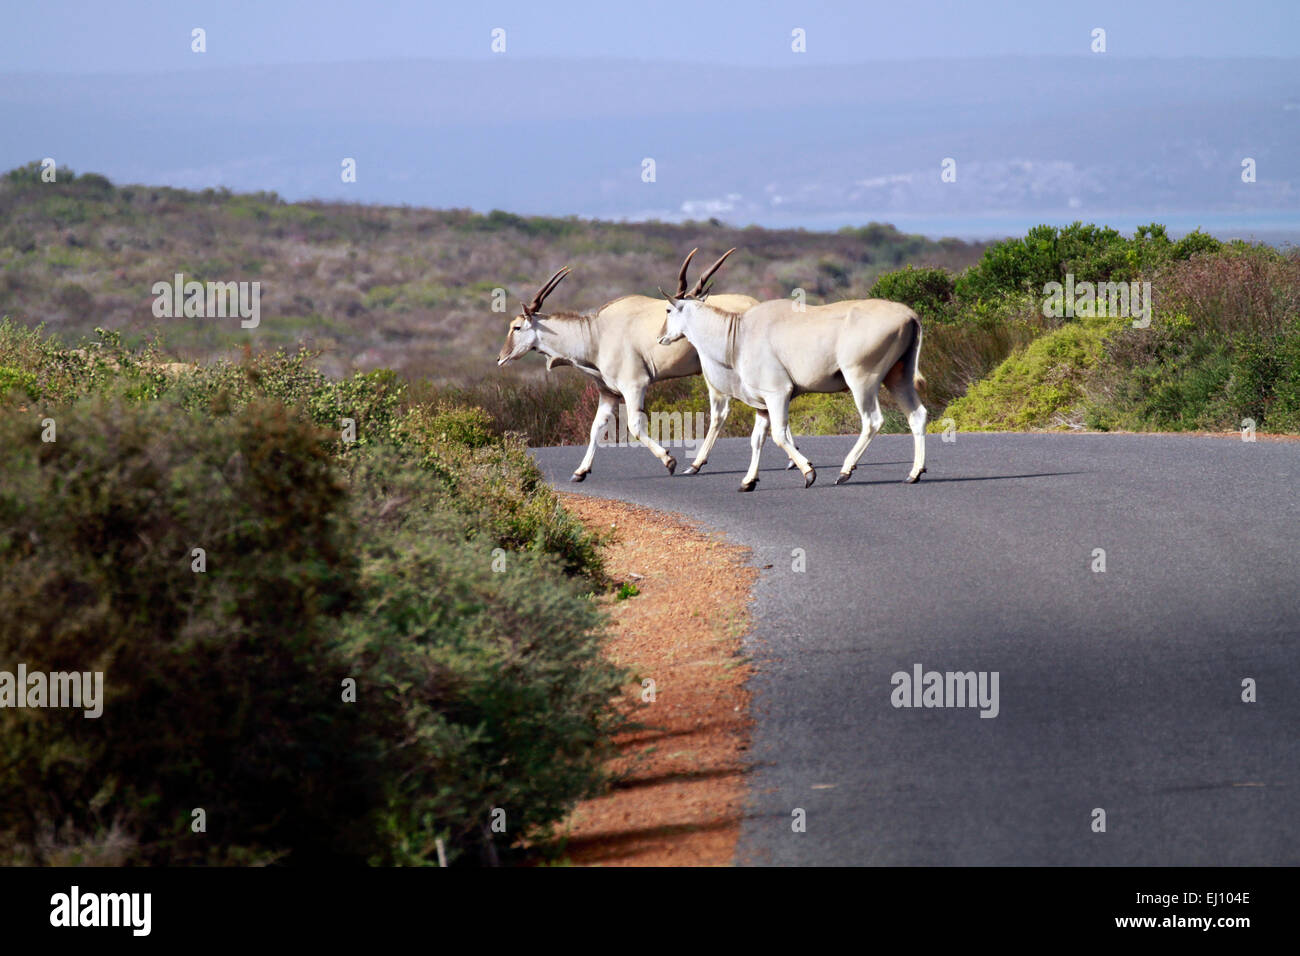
494	483
1264	382
551	412
497	678
217	685
29	174
1047	254
1039	386
1195	243
1252	288
471	427
576	419
929	292
72	298
1224	346
17	382
475	689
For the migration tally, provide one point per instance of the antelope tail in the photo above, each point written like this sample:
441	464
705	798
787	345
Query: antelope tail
912	357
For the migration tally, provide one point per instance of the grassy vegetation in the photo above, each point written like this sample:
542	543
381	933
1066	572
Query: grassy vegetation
387	526
1037	383
412	290
373	286
426	561
1223	346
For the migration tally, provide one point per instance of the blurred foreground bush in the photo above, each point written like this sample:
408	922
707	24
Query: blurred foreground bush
427	564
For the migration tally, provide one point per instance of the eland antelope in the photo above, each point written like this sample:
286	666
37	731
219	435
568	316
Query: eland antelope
772	352
618	348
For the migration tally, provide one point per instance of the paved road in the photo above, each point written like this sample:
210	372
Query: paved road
1118	690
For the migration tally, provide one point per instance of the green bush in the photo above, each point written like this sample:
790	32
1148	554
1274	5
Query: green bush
1046	254
471	427
370	399
58	375
1195	243
1038	386
542	412
1175	378
217	685
484	475
1224	346
17	382
929	292
483	685
497	676
478	686
1265	380
494	483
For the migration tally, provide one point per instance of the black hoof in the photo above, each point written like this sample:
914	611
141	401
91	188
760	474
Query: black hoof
844	476
671	464
912	481
809	478
693	470
748	485
580	476
789	465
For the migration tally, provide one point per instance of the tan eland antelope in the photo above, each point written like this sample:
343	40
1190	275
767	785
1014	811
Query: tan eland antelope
618	348
772	352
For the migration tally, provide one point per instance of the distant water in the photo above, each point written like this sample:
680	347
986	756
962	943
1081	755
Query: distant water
1275	228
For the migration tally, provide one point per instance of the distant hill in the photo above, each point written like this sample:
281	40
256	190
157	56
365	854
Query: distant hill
398	287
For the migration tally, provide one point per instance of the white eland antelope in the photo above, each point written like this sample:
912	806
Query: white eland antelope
772	352
618	348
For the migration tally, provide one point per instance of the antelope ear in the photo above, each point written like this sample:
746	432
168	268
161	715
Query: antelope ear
554	361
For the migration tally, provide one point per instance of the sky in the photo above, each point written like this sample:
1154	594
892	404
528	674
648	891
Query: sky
132	36
738	125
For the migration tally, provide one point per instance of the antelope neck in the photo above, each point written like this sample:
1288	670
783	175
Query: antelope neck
580	347
730	321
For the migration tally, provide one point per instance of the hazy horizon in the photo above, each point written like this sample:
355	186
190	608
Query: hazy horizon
851	121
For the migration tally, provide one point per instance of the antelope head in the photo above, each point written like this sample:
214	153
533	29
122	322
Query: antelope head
523	334
679	305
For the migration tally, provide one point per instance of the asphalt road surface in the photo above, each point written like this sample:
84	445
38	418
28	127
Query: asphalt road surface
1119	691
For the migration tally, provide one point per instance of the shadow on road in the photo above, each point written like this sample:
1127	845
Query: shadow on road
927	480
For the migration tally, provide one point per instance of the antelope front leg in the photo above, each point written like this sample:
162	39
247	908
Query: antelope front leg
636	426
756	447
719	406
778	409
603	414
